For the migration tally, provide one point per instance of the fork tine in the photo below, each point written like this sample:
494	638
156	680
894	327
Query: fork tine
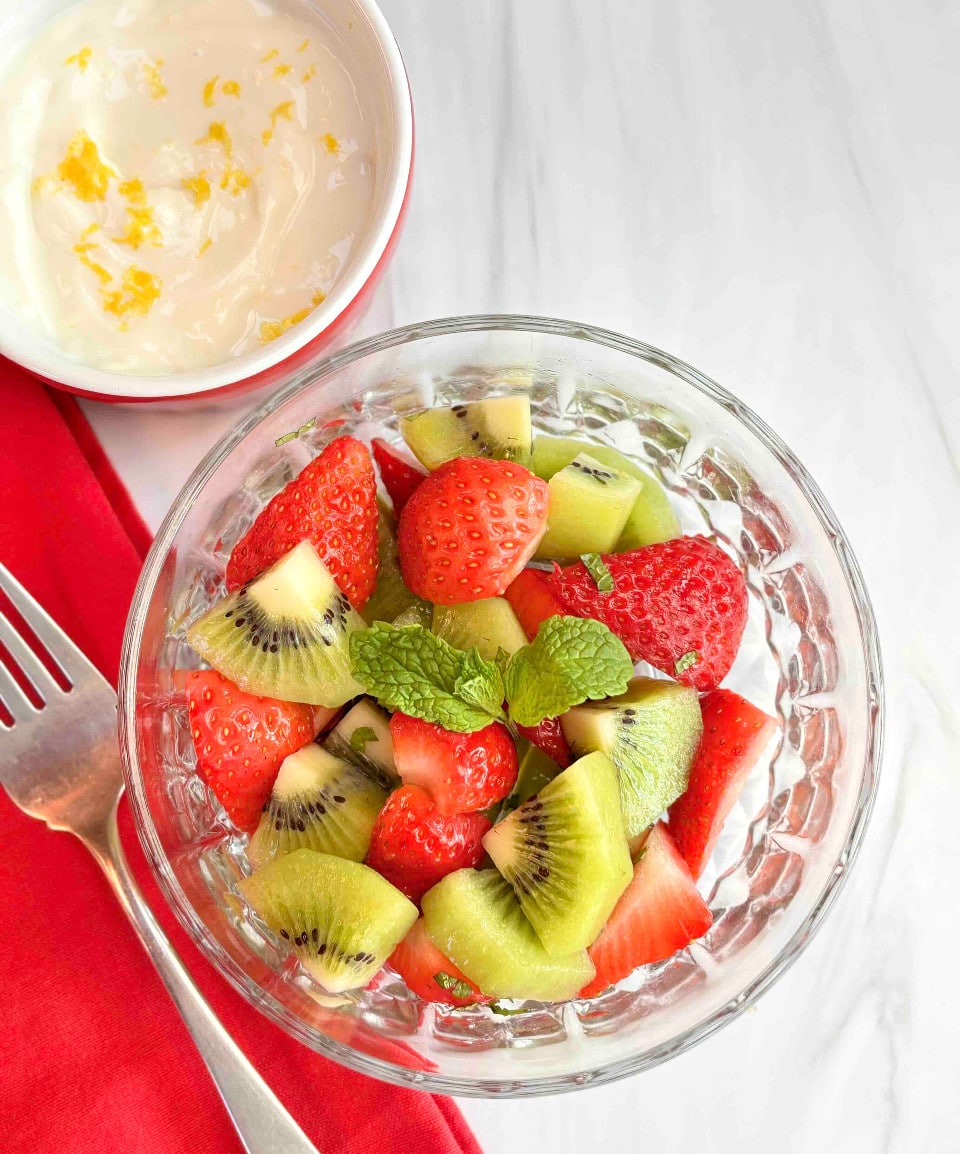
18	704
32	667
67	655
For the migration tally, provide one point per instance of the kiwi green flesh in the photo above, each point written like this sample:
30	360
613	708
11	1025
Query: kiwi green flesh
285	634
537	769
375	755
651	519
391	597
321	803
474	918
341	918
497	427
565	853
490	625
589	507
650	733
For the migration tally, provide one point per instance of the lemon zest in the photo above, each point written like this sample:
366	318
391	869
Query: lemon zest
199	186
217	134
81	58
283	111
83	169
230	88
304	46
282	70
235	180
331	143
271	55
309	74
209	90
270	330
206	244
139	292
151	73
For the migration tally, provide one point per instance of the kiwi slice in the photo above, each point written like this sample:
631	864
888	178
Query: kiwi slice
651	519
391	597
496	427
342	919
318	802
490	625
537	769
474	918
285	634
650	733
362	737
565	853
589	507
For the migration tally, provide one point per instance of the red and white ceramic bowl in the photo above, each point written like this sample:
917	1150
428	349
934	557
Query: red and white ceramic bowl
382	75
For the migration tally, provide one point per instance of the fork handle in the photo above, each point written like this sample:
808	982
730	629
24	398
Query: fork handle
263	1124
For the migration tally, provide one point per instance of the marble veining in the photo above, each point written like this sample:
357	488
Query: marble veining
770	192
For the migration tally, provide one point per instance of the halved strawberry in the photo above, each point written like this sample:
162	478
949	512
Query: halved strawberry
413	845
548	736
241	739
470	528
400	477
735	733
333	503
430	974
658	913
462	772
532	599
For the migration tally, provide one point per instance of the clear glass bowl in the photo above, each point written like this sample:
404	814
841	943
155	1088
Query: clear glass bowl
810	655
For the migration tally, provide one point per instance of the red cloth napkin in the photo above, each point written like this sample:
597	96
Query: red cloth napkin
93	1053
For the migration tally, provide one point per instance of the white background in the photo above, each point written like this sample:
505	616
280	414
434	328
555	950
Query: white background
771	190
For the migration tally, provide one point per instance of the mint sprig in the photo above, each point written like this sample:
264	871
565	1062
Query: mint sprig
571	660
411	671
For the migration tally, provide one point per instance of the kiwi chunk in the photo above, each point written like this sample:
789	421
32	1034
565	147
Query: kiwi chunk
391	597
651	519
474	918
490	625
537	769
362	737
496	427
342	919
650	733
589	507
565	853
318	802
285	634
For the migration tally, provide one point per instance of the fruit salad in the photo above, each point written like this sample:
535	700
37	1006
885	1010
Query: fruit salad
423	706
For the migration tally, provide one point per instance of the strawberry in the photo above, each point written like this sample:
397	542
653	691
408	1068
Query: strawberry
735	733
430	974
548	736
470	528
658	913
532	599
413	845
462	772
241	740
680	605
333	503
400	477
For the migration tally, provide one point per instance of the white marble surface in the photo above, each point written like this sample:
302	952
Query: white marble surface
770	190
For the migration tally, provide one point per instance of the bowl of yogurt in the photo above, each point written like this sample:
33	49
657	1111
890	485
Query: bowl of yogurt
197	195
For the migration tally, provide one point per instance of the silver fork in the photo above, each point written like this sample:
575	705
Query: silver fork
61	764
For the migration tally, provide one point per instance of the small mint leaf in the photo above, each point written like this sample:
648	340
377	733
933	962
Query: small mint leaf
571	660
684	663
504	1011
457	986
304	428
445	981
502	660
481	684
360	737
595	566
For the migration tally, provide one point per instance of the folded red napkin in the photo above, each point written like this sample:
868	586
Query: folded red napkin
93	1053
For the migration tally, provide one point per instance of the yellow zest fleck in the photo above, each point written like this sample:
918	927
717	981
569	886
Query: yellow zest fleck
139	292
199	186
43	183
217	134
309	74
83	248
235	180
84	170
90	230
281	70
151	73
81	58
331	144
141	227
270	330
283	111
271	55
230	88
133	191
209	89
304	46
206	244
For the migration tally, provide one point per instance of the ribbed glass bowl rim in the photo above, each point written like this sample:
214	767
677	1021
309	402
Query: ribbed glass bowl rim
438	1082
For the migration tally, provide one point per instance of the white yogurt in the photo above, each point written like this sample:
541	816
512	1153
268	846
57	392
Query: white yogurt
180	180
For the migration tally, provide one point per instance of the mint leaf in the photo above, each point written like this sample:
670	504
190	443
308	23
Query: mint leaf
457	986
594	565
413	671
683	664
572	659
504	1011
502	660
361	736
304	428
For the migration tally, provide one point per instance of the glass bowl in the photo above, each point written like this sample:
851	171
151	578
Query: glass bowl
810	656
